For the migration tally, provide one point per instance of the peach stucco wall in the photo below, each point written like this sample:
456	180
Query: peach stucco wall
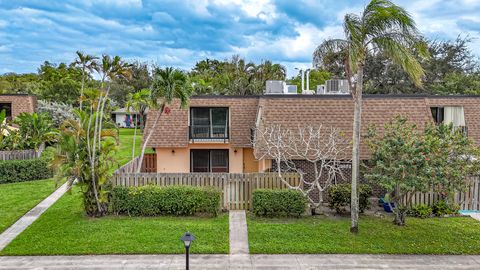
179	162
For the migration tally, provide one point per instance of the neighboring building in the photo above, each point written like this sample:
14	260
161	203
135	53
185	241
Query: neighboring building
15	104
214	133
125	119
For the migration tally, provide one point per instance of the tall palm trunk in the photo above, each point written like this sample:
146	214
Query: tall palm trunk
152	129
81	89
357	120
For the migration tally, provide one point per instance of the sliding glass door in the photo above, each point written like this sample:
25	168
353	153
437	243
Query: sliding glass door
209	160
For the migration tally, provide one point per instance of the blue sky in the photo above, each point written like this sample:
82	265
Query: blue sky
179	33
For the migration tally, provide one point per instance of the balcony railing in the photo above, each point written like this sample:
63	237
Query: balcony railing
209	132
461	129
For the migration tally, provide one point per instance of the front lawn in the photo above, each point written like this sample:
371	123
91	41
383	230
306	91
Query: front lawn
63	229
16	199
124	152
458	235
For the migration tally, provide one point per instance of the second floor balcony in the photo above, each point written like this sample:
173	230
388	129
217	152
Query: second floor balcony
209	124
210	133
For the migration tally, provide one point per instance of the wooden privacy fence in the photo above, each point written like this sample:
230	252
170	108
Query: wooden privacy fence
149	165
236	188
468	200
21	154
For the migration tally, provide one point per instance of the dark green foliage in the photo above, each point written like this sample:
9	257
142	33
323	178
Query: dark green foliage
171	200
24	170
340	195
421	211
278	202
442	208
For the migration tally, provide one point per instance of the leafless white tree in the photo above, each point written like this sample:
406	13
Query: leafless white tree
325	148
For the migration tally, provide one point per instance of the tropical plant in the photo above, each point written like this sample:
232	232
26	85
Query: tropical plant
85	153
168	84
73	159
383	27
35	129
138	103
87	64
234	76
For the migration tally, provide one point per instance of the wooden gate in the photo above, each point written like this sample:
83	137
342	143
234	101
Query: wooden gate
149	164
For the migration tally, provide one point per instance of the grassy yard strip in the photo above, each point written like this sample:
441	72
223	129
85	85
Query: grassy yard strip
457	235
124	152
64	229
16	199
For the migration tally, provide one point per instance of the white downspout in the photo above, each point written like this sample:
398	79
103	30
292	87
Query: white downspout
308	81
303	79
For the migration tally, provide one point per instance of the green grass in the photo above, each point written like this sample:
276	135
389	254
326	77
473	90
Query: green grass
456	235
16	199
64	229
124	152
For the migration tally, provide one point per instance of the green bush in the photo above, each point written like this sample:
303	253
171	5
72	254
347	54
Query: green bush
442	208
278	202
171	200
24	170
421	211
340	195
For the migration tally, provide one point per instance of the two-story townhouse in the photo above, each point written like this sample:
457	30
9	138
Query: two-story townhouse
214	133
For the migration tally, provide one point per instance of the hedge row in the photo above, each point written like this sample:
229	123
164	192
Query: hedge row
340	196
171	200
24	170
278	202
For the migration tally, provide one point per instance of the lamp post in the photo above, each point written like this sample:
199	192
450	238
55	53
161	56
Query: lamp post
187	239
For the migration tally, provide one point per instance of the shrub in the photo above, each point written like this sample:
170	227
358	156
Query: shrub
171	200
278	202
58	111
421	211
24	170
442	208
340	195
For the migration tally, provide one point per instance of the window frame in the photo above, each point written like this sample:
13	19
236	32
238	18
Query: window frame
209	167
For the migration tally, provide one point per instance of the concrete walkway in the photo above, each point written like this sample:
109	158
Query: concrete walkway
238	232
18	227
286	261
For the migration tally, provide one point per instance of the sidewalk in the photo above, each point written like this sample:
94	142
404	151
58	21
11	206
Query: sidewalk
286	261
18	227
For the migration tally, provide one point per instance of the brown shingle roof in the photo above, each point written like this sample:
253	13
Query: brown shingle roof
291	111
172	129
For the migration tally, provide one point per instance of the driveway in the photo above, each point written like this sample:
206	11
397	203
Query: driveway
288	261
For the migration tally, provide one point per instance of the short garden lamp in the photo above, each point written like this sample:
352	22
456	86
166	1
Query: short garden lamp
187	240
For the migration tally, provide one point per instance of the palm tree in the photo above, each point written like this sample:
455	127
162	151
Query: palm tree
87	63
385	28
139	102
92	132
168	84
72	160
